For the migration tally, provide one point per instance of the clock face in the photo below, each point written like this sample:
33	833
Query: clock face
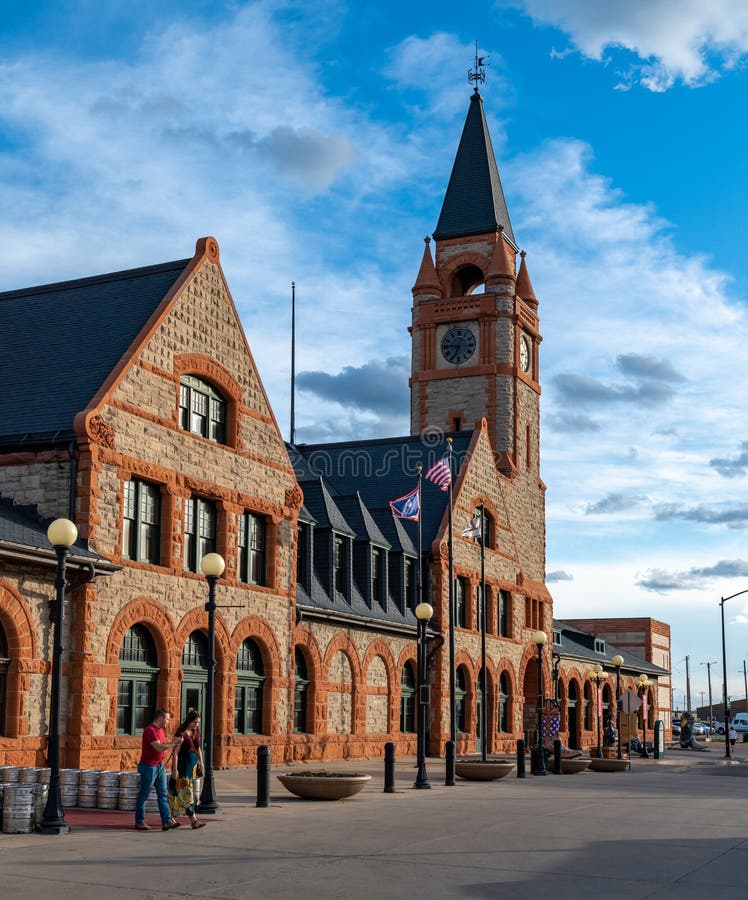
524	353
458	345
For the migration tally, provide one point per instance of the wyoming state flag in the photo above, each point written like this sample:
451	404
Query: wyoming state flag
407	507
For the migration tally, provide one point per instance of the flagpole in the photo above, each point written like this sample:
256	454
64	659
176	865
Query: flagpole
292	436
452	685
419	569
483	628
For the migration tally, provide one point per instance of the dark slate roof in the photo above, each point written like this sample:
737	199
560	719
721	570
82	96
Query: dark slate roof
360	519
22	528
323	508
380	470
61	341
580	645
348	486
474	202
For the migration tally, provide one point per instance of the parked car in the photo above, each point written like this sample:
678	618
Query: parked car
676	729
701	728
719	727
740	722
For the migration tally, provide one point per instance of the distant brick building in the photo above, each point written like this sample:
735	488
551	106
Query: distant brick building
143	418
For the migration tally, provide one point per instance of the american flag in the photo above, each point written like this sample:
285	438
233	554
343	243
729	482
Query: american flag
439	473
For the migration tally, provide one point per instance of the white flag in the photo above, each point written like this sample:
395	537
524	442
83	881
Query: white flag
473	529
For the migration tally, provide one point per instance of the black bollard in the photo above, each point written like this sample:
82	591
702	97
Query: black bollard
557	757
263	776
389	767
520	759
449	764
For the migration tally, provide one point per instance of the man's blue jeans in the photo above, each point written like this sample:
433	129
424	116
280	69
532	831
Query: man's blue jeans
150	775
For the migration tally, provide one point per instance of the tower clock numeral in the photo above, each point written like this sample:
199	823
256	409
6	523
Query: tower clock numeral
458	345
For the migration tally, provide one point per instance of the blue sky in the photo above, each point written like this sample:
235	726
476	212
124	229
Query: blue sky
315	140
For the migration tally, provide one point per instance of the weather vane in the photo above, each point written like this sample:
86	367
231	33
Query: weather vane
477	75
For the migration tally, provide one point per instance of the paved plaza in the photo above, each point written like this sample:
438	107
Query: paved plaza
676	828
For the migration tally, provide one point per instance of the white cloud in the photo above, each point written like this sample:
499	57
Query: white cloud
688	40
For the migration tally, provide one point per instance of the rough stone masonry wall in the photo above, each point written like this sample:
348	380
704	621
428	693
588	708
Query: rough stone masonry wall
201	335
503	565
38	479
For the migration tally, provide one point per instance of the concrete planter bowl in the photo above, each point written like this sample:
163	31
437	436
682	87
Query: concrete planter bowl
477	770
608	765
323	785
573	766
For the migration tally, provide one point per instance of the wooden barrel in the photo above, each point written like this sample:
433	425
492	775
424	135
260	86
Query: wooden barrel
69	779
107	795
129	785
88	788
18	808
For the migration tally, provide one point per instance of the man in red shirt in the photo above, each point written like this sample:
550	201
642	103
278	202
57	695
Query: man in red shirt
152	771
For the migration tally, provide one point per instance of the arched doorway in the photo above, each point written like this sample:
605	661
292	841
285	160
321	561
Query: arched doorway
573	715
530	693
195	665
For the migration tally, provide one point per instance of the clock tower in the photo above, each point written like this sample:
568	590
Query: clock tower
475	335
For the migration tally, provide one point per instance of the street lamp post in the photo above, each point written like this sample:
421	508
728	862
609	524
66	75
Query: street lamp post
212	566
644	684
598	676
424	611
539	638
618	662
709	680
723	600
62	534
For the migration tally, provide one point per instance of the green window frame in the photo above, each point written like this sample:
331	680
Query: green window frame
504	619
300	694
252	548
408	699
250	686
200	528
202	409
141	522
460	605
138	681
504	702
460	699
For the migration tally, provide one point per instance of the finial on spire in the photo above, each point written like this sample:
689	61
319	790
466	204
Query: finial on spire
477	75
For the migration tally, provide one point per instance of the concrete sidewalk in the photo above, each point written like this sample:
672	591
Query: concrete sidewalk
663	830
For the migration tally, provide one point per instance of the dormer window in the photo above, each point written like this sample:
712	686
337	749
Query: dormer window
340	564
556	636
599	645
202	410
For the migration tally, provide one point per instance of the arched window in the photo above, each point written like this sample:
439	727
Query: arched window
202	410
249	689
504	702
300	693
195	657
4	666
408	699
460	703
460	606
136	689
588	706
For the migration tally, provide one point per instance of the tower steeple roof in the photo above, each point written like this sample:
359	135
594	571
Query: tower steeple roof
474	202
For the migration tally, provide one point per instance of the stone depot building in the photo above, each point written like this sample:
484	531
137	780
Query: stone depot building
144	420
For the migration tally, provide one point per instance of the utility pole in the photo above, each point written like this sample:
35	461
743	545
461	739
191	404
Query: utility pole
745	679
709	679
688	687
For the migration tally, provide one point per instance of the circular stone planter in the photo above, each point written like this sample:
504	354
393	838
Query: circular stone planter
323	785
477	770
608	765
572	766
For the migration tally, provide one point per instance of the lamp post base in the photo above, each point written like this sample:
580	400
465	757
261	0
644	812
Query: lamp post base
537	761
53	827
